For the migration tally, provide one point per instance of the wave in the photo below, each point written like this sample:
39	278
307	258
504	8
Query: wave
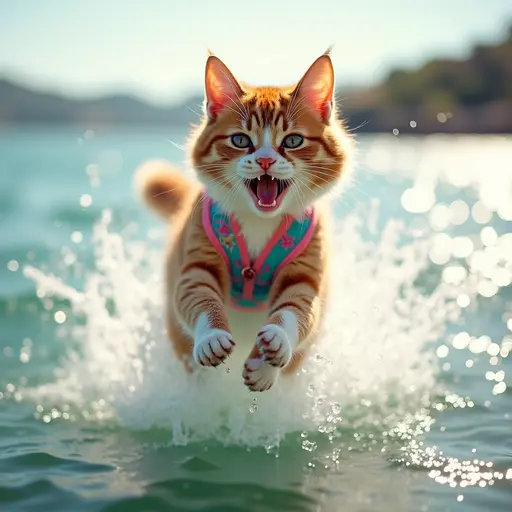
370	367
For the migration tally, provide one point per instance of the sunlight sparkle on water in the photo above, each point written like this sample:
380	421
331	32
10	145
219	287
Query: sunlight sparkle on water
85	200
60	317
385	394
13	265
76	237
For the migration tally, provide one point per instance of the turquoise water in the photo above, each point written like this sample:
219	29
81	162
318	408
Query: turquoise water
403	406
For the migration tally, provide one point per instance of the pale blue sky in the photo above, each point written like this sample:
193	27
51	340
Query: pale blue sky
157	48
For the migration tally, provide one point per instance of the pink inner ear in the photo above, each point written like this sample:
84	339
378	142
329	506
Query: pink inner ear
213	108
326	109
221	86
319	97
317	86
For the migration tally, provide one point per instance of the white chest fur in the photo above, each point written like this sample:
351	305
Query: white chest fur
257	232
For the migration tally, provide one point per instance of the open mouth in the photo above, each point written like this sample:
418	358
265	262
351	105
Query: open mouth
267	191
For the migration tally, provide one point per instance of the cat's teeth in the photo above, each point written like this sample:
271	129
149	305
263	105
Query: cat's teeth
259	178
267	205
272	178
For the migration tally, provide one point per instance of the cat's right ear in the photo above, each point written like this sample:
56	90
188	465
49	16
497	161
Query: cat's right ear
221	86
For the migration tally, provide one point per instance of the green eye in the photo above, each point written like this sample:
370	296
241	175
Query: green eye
240	140
292	141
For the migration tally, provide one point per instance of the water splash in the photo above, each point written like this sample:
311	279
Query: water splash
371	366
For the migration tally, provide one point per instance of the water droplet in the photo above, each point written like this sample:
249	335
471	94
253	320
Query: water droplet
480	213
459	212
77	237
85	200
493	349
488	236
461	340
13	265
60	317
442	351
308	446
336	407
499	388
463	300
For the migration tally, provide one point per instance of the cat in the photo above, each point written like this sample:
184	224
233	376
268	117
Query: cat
249	247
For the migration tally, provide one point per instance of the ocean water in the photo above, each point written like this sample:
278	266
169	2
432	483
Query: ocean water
404	405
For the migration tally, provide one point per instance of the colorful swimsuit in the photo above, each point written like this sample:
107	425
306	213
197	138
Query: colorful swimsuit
251	280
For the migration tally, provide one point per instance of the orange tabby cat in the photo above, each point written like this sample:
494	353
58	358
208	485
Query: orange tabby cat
248	255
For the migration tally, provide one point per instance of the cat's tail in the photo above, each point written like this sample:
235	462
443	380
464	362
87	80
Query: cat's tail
165	189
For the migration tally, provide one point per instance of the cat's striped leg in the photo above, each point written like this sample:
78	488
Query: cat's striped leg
199	302
295	308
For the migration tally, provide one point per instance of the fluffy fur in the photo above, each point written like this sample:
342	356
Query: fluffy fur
245	136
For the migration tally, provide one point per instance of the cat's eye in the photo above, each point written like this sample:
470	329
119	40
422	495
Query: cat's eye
292	141
240	140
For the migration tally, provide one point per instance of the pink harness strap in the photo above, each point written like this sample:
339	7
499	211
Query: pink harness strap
250	271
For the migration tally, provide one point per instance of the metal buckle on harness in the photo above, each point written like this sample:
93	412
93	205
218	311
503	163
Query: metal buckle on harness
248	273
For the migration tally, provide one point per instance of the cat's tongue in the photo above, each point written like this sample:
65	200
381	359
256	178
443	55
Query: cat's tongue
267	190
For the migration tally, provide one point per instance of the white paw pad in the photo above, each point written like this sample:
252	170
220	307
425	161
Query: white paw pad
213	347
274	345
259	375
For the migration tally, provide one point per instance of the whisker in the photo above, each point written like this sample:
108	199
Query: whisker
236	111
200	200
192	110
297	111
244	109
293	105
364	123
176	145
164	192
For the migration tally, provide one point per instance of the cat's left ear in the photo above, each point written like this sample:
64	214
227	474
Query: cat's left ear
316	87
221	86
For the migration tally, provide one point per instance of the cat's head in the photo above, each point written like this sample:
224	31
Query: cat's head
269	150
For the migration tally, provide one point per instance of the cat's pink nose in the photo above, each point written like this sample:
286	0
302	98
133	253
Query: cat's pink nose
265	163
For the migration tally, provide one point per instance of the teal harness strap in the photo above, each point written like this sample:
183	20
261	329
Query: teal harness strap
251	280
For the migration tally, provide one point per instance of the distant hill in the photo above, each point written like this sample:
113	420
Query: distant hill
472	95
20	104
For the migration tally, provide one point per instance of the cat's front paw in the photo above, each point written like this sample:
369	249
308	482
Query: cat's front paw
212	347
258	375
274	345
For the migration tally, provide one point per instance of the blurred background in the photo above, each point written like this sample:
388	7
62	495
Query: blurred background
407	404
445	67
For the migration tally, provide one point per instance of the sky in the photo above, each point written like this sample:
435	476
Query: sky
157	48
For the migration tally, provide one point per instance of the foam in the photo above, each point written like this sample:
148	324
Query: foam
370	366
